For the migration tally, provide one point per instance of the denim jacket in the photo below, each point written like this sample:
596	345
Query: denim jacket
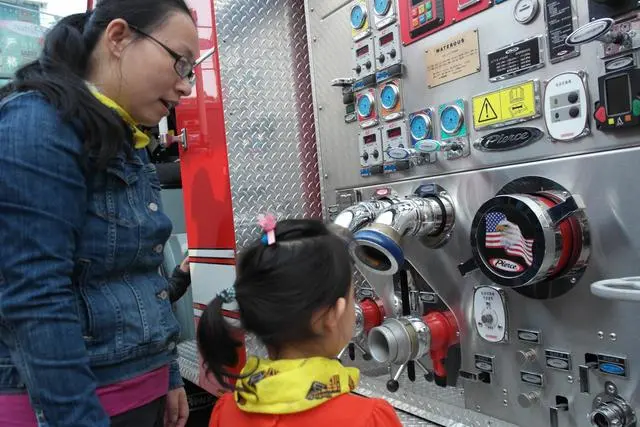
82	304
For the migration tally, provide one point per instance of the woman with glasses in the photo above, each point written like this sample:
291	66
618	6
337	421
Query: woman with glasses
87	333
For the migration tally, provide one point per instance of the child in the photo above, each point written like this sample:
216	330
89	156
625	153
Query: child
293	290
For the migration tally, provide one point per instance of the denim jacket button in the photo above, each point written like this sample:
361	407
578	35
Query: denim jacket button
158	248
163	295
171	346
153	207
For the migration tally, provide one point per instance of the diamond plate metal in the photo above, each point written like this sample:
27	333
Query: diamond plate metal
188	360
266	87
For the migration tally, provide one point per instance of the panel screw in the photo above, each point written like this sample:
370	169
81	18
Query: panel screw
570	379
600	334
613	336
477	407
320	108
611	388
504	391
326	176
505	402
315	39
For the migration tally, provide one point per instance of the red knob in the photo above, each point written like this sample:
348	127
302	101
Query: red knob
444	334
372	312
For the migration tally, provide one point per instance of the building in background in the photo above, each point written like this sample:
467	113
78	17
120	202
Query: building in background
22	29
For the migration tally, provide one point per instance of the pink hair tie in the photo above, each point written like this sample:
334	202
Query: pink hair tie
268	224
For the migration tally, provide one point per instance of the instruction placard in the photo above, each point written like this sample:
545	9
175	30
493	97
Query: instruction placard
455	58
508	105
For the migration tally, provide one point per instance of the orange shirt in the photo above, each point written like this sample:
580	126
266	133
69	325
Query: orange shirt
344	410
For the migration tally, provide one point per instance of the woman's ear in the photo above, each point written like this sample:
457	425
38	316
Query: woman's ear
118	35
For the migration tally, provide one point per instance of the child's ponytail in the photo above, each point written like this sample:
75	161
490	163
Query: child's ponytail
217	346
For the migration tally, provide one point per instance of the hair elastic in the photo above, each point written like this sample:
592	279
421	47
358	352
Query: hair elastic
228	295
268	224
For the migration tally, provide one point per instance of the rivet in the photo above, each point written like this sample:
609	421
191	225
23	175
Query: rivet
613	336
570	379
600	334
505	402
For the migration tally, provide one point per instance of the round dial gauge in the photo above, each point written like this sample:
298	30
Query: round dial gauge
389	96
420	126
365	105
381	7
451	119
358	16
490	314
526	11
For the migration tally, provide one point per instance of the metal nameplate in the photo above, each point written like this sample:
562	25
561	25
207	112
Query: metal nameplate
484	363
528	336
560	24
511	104
516	59
612	365
558	360
532	378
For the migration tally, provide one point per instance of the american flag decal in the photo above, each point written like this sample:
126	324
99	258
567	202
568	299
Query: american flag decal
500	233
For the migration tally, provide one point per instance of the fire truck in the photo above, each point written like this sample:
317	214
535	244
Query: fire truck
488	177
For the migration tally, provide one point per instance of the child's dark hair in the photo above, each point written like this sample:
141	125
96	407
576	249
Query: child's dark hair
278	288
61	69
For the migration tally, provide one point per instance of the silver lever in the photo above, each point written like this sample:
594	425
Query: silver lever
167	140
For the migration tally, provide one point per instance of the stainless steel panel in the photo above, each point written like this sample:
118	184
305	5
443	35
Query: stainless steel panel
266	88
331	57
576	322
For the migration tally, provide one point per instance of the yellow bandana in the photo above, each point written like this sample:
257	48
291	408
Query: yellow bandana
140	138
290	386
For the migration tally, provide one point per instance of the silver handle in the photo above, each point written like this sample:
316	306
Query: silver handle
621	289
167	140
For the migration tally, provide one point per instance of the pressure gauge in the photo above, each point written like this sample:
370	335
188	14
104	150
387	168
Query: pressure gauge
365	105
358	16
420	126
526	11
489	314
389	96
381	7
451	119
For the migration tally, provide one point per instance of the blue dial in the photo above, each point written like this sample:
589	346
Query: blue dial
389	96
451	119
382	6
420	126
358	16
365	106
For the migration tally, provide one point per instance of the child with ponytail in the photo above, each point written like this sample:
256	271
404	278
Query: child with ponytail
293	290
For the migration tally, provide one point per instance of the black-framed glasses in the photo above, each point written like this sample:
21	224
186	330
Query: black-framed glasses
184	68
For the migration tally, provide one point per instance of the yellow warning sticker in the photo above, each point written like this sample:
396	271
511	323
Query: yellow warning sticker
507	105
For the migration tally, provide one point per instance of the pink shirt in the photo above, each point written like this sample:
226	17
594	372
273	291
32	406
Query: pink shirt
15	409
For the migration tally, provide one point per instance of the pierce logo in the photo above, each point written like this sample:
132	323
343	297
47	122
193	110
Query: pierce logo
512	50
508	139
506	265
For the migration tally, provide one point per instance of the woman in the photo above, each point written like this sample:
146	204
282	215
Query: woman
87	334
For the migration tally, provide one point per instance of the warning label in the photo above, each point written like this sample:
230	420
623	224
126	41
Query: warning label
510	104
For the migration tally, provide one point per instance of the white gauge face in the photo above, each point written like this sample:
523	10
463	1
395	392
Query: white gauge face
489	314
525	11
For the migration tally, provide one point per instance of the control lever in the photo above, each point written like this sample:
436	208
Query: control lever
343	81
167	140
553	413
621	289
584	376
600	30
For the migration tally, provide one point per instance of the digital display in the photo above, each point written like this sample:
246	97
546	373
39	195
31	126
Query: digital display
415	2
393	133
617	95
387	38
368	139
362	51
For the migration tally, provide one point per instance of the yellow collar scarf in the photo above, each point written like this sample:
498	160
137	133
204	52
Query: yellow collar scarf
140	139
291	386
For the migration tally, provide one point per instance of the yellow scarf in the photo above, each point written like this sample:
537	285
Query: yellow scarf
290	386
140	139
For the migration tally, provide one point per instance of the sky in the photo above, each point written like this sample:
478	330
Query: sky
65	7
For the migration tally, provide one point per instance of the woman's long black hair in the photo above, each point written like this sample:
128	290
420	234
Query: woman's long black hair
61	69
278	289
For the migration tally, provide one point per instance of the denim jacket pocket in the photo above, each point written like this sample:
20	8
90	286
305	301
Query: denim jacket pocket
112	197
